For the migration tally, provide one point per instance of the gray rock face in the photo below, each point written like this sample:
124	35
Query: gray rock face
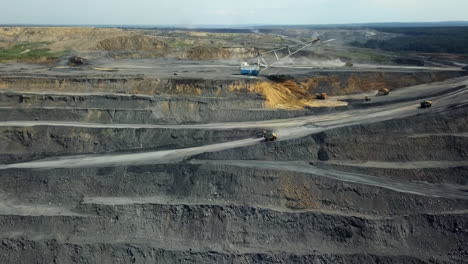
379	182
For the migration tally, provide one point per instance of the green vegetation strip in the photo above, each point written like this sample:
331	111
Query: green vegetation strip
28	51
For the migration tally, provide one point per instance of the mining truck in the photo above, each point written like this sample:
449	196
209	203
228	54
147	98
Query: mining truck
77	61
383	91
267	135
321	96
426	104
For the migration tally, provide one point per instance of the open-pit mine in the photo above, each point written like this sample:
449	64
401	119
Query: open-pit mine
143	146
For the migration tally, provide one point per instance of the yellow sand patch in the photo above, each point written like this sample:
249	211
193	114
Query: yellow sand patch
286	95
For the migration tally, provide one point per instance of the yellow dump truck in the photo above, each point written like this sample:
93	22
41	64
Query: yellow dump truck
321	96
383	91
267	135
426	104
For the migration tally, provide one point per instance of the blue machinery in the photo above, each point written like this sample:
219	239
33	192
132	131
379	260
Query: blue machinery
247	69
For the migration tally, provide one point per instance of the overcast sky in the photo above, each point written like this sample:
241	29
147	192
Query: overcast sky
192	12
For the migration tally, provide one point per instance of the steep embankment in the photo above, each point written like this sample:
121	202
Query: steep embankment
284	92
219	53
119	43
293	201
132	43
60	38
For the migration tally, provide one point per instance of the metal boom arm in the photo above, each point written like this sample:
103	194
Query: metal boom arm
290	54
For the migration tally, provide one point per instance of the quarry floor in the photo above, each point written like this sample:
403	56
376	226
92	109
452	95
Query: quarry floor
91	175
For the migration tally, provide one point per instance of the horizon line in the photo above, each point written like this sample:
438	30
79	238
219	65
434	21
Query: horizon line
223	25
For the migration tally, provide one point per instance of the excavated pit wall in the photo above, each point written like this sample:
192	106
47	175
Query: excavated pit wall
224	209
175	101
340	83
222	227
438	132
228	214
212	184
397	149
424	138
345	82
46	251
451	175
124	101
26	143
158	109
175	113
119	84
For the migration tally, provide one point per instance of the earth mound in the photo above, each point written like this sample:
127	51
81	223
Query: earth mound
131	43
